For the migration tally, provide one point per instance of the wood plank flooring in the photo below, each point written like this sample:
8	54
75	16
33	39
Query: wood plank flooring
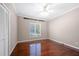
48	48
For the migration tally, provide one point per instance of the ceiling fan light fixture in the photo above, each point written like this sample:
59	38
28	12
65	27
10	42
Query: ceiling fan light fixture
45	11
44	14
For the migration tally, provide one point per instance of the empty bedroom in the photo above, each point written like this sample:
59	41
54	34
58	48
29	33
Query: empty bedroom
39	29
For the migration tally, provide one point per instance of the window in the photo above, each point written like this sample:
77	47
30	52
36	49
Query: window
35	29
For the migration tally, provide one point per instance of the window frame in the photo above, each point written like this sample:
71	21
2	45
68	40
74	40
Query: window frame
35	34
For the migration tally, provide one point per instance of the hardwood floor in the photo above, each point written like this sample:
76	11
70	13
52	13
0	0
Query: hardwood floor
47	47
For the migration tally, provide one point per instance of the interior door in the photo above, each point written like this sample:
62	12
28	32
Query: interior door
3	31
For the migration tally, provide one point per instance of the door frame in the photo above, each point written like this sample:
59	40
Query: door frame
6	47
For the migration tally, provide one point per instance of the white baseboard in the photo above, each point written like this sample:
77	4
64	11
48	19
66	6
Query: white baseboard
29	40
66	44
13	48
45	39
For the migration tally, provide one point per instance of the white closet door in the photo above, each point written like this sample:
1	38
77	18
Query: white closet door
3	31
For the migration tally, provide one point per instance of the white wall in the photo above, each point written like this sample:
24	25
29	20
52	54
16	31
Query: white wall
65	29
23	29
12	27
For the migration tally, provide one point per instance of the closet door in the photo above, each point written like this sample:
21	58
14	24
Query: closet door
3	31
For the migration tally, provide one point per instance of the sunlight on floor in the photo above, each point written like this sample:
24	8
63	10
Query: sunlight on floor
35	49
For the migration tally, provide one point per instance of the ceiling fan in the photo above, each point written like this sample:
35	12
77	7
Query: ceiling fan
46	9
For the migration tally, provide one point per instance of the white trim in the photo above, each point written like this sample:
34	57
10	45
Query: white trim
30	40
9	13
13	48
65	44
7	27
4	5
